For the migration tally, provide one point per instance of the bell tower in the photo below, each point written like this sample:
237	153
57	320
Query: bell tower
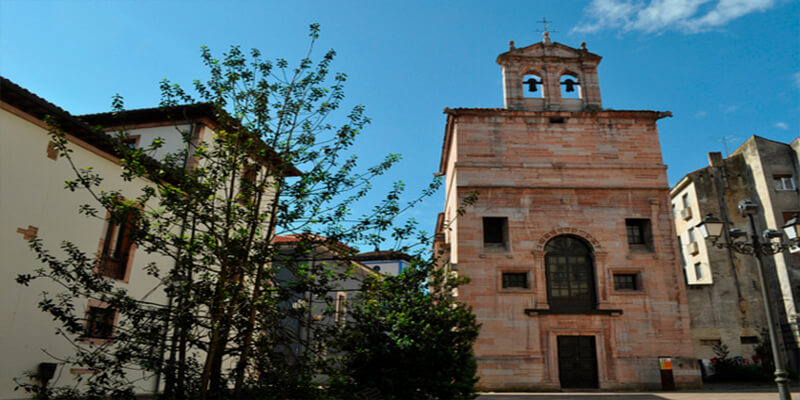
550	76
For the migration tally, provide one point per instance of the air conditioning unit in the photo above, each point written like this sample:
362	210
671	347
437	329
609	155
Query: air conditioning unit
686	213
693	248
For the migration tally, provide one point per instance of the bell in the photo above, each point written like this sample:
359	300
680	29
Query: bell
532	82
570	84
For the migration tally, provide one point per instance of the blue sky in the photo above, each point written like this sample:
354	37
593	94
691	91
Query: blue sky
725	68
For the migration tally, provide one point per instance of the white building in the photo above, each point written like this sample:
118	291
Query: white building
34	203
386	262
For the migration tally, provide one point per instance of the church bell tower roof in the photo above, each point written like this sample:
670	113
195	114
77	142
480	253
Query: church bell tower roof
550	76
553	49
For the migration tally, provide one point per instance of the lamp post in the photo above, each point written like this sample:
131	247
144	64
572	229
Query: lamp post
711	228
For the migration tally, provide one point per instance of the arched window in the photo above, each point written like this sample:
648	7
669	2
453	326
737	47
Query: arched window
532	86
570	86
570	274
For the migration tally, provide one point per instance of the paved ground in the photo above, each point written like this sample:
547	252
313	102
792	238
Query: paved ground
716	392
638	396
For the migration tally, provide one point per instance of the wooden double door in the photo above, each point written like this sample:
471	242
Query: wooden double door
577	362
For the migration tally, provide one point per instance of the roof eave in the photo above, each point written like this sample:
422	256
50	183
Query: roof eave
446	141
642	114
187	113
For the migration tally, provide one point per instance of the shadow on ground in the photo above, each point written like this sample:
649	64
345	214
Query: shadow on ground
710	391
565	396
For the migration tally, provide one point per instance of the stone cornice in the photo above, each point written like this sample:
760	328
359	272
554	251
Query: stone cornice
607	113
574	186
543	311
557	165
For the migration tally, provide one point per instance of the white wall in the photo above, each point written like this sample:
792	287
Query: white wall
32	193
682	227
387	267
171	135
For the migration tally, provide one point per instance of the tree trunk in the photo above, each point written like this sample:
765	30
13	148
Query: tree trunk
241	365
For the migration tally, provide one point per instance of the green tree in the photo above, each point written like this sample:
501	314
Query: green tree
213	209
409	338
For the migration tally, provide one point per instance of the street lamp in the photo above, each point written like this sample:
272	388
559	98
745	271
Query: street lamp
711	228
792	228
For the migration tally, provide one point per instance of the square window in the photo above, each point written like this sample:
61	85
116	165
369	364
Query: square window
495	232
635	231
698	271
99	323
639	235
626	282
783	182
683	257
515	280
685	200
117	245
748	339
710	342
131	141
248	182
341	307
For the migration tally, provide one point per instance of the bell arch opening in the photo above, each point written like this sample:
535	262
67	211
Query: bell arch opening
532	86
570	86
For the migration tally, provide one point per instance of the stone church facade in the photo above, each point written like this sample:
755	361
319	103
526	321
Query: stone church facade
569	247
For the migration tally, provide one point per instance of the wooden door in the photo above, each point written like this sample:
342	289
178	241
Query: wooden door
577	362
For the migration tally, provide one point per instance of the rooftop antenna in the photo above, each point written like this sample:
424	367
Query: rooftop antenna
545	31
725	140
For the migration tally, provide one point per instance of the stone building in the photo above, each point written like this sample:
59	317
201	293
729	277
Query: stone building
569	246
724	296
